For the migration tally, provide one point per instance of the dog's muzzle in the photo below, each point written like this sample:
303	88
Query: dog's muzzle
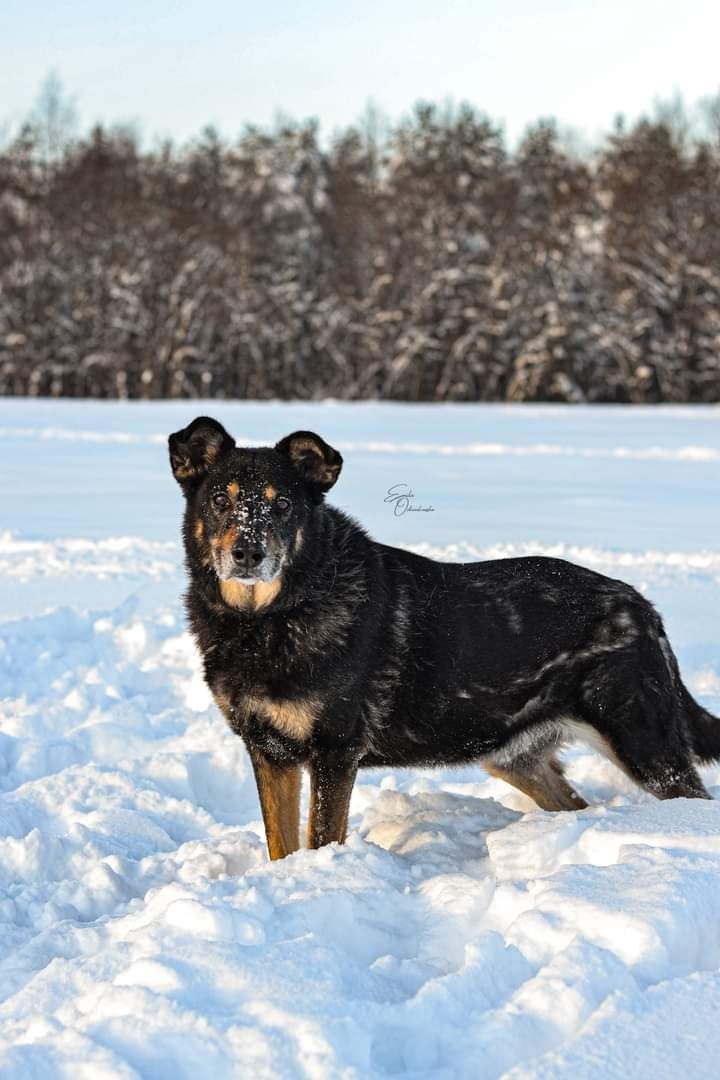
248	563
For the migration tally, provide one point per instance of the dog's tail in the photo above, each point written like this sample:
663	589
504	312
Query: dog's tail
704	728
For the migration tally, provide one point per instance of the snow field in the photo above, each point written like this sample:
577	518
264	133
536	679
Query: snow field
461	932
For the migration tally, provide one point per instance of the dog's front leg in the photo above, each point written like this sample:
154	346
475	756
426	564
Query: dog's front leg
279	790
331	782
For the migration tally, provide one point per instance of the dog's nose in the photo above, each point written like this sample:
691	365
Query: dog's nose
248	555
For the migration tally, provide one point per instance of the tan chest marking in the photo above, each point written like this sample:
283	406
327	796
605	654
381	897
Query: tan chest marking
293	718
296	719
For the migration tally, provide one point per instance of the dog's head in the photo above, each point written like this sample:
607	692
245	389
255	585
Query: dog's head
247	507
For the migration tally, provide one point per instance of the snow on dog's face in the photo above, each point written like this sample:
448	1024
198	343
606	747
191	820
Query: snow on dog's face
247	506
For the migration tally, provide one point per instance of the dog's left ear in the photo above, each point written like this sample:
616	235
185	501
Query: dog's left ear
313	458
196	448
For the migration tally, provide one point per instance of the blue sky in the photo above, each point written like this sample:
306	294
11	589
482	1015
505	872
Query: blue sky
174	65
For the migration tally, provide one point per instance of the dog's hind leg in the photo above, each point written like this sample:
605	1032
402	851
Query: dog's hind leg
541	779
646	735
279	791
667	773
331	784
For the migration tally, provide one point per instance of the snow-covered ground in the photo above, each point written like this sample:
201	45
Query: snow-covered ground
461	932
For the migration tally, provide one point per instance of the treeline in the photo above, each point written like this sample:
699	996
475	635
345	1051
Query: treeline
429	264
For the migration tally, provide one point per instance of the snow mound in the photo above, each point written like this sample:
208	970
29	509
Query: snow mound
114	556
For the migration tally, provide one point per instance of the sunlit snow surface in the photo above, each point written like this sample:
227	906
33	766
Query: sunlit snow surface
461	932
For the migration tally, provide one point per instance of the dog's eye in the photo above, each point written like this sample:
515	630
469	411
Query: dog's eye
282	504
220	500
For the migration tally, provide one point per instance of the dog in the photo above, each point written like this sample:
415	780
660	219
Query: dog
326	650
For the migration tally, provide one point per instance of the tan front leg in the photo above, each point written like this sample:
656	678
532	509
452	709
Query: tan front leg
279	791
331	786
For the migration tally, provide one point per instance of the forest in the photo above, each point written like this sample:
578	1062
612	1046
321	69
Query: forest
424	260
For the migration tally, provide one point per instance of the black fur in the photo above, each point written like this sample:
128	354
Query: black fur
408	661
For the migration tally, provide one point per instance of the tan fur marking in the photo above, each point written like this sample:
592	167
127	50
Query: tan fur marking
233	489
250	597
265	592
236	594
295	719
527	784
227	540
305	444
199	529
298	539
270	493
279	791
547	787
223	703
184	472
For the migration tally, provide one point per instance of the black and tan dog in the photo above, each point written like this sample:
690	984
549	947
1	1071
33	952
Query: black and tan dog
327	650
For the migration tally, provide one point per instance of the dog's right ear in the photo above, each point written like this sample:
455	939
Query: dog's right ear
196	448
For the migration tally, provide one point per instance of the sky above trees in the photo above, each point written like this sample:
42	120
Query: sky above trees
172	66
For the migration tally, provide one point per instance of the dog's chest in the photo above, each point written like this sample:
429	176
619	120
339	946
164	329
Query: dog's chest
275	671
294	717
262	679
